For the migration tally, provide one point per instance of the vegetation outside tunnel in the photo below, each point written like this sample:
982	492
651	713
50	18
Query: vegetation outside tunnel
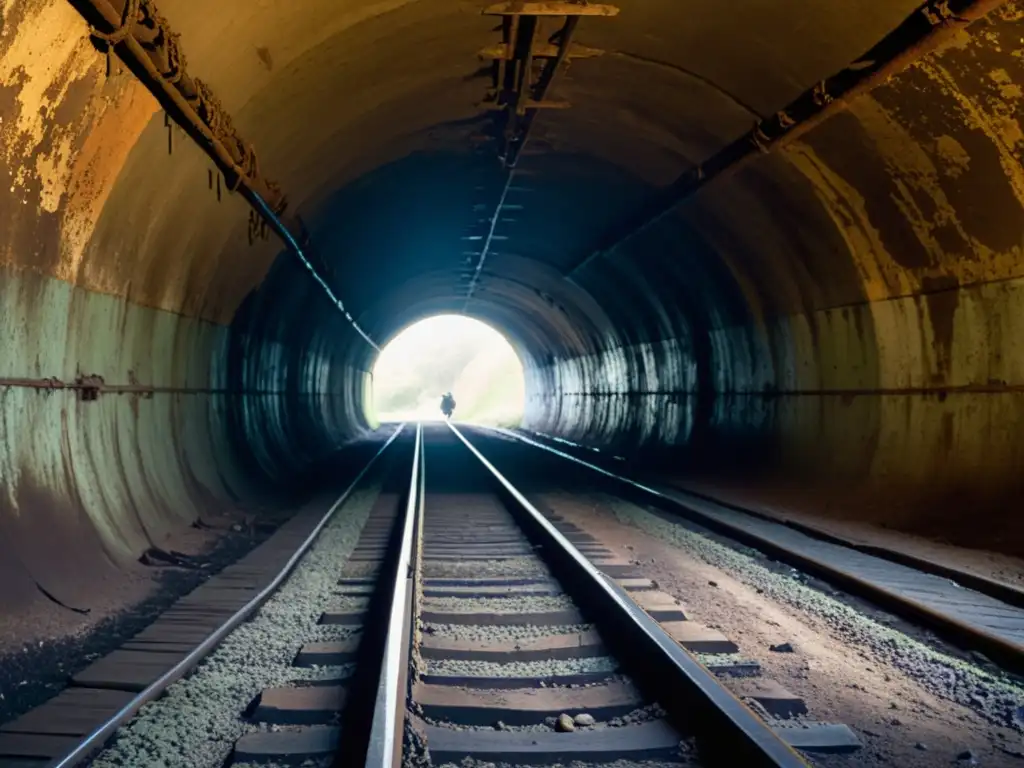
448	353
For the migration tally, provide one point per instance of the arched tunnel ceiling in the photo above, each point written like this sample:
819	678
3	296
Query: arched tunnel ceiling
844	312
328	97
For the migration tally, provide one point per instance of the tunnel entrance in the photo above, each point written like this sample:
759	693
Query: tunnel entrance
448	353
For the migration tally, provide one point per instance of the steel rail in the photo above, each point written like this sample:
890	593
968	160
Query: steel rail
103	732
694	699
1004	653
384	748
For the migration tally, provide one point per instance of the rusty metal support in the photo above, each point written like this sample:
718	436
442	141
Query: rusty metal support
135	31
519	96
920	33
541	51
519	8
517	93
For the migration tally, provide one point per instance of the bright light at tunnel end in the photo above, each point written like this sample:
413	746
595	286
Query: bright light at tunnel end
448	353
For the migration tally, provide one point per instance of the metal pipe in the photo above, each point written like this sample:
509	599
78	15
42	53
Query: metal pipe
262	195
920	33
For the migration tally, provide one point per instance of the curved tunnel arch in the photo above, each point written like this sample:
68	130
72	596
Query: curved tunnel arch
843	314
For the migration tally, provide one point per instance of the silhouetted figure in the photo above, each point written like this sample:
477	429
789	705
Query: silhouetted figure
448	405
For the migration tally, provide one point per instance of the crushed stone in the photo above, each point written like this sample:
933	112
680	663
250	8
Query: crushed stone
551	723
522	604
197	721
501	634
994	695
538	669
519	566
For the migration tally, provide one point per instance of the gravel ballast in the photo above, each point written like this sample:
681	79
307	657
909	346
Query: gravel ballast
477	569
995	696
539	604
501	633
538	669
197	721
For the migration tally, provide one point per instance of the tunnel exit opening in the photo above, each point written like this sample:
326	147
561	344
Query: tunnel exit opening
448	353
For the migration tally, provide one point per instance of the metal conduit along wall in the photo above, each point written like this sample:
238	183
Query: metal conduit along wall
841	314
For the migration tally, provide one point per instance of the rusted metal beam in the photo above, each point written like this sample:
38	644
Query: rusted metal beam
518	8
135	31
541	51
920	33
521	97
142	38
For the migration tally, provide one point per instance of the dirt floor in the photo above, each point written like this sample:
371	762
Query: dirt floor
920	711
43	643
118	586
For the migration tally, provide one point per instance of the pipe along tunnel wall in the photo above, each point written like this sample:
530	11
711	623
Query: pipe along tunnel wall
844	316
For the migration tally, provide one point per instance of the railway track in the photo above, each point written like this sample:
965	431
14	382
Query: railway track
495	636
969	611
463	624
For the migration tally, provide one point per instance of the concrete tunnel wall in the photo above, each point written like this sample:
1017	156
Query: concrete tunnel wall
844	315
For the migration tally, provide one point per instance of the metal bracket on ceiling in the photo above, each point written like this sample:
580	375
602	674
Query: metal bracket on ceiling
536	42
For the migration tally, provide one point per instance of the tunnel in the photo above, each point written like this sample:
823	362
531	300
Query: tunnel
835	321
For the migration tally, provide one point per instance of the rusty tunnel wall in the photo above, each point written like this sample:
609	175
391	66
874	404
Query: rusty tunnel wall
864	344
142	385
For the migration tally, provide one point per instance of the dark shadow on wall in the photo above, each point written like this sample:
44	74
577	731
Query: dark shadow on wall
293	403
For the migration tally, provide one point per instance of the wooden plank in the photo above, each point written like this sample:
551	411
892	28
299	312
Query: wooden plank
699	638
524	706
476	558
72	712
474	549
636	585
833	738
328	654
771	695
165	632
617	569
511	581
126	670
348	617
23	762
310	705
287	746
492	592
36	746
508	683
659	605
155	646
650	741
